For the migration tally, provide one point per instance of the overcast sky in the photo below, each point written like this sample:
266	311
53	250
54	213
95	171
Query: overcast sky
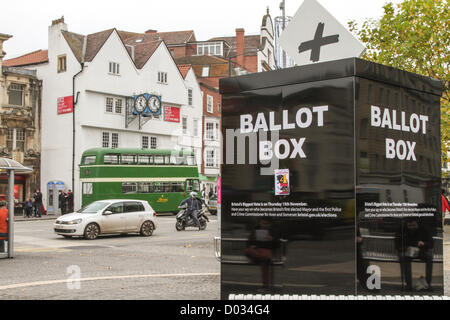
27	20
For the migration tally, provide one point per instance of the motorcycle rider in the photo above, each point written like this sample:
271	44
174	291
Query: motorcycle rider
194	205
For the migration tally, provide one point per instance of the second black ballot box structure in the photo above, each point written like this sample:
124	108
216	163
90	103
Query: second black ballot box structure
331	182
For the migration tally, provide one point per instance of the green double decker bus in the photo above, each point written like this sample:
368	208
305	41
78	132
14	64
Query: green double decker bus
162	177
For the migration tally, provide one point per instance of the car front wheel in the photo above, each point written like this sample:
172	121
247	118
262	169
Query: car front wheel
92	231
147	229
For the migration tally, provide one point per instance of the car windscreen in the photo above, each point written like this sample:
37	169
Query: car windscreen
93	207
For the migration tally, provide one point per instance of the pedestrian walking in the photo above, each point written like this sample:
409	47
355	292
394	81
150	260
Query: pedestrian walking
28	206
3	225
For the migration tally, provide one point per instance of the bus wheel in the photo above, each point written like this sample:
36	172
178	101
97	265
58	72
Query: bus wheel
179	226
92	231
147	229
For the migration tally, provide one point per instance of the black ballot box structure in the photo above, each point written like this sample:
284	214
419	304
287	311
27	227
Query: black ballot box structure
331	182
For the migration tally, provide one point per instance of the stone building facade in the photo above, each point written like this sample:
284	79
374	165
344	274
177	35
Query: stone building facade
20	129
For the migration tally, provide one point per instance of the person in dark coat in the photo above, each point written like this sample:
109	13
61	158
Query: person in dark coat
260	247
37	203
70	203
62	202
415	241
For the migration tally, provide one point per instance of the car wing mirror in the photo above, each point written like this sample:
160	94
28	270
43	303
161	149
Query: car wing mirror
107	213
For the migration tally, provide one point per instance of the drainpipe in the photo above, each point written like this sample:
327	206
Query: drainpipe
75	101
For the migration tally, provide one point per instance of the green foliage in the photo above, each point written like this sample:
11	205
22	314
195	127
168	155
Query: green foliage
413	36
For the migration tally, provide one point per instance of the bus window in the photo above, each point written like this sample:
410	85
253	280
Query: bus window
166	186
188	185
87	188
196	185
145	187
129	159
191	161
173	160
111	159
167	159
87	160
129	187
177	187
159	159
158	187
145	159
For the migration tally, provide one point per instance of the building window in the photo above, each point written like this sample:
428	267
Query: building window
209	104
105	140
114	68
144	142
15	139
16	93
109	104
114	140
153	143
114	105
211	159
184	124
190	96
162	77
205	71
210	48
195	129
209	131
118	106
172	52
62	63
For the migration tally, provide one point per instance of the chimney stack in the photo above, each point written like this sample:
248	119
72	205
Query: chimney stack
240	45
150	31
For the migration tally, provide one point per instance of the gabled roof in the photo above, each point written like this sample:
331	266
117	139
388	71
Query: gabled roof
184	69
35	57
170	38
95	42
143	52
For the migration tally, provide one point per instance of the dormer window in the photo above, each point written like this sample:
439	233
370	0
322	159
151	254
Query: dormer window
114	68
210	48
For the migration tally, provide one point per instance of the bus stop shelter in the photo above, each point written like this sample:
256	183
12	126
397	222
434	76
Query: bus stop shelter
11	167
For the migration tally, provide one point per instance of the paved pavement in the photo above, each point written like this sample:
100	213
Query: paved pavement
168	265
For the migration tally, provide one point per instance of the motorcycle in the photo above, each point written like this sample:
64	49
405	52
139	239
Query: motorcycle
184	220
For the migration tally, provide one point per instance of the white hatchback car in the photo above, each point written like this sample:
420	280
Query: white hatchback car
108	217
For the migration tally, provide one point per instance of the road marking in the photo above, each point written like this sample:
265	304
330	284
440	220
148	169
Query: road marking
50	282
31	250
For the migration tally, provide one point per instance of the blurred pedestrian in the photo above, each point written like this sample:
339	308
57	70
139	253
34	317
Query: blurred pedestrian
70	203
28	208
3	225
62	200
37	203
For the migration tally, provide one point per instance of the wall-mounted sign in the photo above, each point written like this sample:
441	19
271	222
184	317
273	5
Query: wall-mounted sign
171	114
65	105
314	35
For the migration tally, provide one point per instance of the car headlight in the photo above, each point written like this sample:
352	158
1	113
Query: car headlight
77	221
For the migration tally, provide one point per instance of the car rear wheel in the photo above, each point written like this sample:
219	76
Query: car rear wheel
147	229
92	231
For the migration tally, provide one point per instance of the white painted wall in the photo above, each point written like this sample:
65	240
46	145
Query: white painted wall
94	84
